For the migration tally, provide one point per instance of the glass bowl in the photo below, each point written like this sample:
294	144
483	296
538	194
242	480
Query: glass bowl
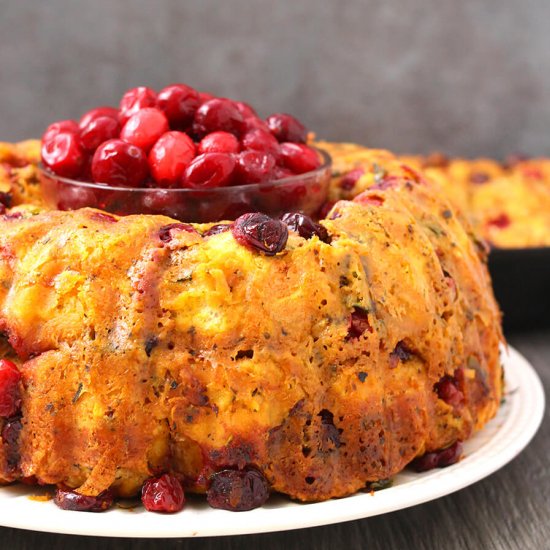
304	193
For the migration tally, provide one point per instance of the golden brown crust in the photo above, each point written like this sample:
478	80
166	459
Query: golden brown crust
19	180
196	354
508	204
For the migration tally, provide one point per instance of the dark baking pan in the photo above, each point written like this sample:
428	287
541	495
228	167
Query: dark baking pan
521	279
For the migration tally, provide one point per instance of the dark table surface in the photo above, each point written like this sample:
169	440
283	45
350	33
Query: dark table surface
508	510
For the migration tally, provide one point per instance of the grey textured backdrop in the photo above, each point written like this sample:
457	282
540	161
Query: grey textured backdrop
467	77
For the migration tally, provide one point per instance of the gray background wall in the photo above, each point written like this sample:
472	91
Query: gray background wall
467	77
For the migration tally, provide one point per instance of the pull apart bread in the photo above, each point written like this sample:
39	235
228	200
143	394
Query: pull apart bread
147	346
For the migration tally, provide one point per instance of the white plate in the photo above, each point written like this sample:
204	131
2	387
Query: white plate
498	443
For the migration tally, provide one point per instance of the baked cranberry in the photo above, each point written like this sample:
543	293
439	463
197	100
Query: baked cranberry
61	126
347	183
245	109
299	158
260	232
2	209
260	140
358	323
118	163
179	103
254	167
438	459
163	494
217	229
287	128
68	499
134	100
98	130
145	127
254	123
165	232
401	353
64	154
218	114
305	226
502	221
479	177
10	439
447	389
92	114
209	170
169	157
237	490
219	142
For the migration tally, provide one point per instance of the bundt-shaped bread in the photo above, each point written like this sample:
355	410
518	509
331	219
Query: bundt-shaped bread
147	347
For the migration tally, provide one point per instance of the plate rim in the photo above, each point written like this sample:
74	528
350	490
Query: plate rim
480	464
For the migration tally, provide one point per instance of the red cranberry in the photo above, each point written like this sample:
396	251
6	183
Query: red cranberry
64	155
219	142
163	494
209	170
10	440
134	100
260	232
62	126
325	209
305	226
254	167
218	114
237	490
97	131
169	157
280	173
165	232
447	389
359	323
347	183
254	123
287	128
72	197
119	163
205	96
144	128
260	140
299	158
86	118
245	109
179	103
438	459
217	229
502	221
68	499
158	200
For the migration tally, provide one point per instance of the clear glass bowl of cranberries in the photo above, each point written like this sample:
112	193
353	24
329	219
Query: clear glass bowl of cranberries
183	154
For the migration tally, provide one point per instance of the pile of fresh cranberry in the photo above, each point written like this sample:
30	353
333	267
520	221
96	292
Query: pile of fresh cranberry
177	138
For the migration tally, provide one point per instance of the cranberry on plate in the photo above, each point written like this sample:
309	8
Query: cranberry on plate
163	494
68	499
